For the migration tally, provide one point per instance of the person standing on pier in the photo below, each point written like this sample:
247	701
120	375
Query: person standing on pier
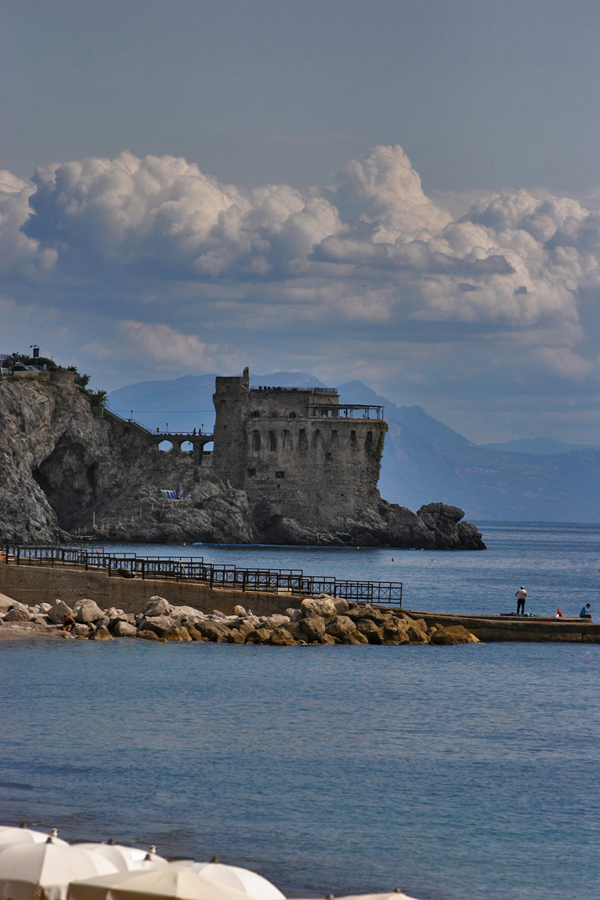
521	596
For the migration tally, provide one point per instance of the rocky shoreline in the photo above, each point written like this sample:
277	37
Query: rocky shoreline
323	620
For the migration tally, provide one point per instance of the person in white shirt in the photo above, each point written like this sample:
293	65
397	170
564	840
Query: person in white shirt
521	596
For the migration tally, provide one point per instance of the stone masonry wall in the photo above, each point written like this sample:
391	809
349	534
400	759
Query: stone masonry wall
291	463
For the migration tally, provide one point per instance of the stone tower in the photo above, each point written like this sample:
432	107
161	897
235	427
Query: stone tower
297	452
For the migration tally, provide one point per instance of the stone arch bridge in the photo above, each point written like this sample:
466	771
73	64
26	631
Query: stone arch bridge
175	438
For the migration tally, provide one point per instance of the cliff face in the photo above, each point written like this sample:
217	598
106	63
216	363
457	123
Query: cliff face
60	464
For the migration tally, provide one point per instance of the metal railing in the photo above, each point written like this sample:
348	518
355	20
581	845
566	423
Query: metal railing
195	569
346	411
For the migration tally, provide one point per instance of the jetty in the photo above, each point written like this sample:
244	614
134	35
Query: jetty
35	573
537	629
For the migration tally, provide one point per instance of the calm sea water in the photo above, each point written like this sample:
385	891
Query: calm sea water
455	773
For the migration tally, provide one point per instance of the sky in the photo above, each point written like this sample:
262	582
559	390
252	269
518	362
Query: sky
406	192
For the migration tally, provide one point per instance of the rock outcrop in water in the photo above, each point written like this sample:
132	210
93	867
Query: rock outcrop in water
60	464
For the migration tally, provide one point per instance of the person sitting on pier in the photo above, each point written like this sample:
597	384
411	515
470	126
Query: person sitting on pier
521	596
586	612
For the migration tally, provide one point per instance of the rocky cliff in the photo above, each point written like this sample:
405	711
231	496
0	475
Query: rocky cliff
60	464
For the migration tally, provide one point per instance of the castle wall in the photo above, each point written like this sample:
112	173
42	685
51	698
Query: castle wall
293	463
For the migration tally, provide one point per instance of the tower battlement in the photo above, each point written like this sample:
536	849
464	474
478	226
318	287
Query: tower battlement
297	452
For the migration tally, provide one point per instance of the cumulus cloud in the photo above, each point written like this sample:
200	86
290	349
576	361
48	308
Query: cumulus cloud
512	256
186	263
164	345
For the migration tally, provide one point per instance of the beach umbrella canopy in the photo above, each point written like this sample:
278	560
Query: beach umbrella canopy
11	835
170	882
245	880
126	859
31	871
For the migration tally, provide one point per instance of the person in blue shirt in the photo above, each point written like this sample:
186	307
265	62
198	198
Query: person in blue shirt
586	612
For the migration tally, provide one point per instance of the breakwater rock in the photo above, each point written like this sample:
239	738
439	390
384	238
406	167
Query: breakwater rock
60	463
322	620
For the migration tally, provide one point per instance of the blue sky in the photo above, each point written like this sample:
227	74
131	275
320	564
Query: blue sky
404	192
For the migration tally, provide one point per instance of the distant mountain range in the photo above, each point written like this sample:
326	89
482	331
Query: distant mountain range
537	479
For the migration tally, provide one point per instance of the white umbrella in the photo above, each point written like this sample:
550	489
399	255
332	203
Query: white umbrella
170	882
22	835
245	880
126	859
29	871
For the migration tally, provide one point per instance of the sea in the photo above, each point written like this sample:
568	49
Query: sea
451	773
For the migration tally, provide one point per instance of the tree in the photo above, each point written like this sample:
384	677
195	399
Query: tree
97	398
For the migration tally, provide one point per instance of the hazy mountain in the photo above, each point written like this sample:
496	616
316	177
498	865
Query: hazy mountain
186	403
413	417
424	460
542	445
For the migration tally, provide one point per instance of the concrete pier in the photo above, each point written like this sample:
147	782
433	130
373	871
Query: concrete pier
33	584
539	629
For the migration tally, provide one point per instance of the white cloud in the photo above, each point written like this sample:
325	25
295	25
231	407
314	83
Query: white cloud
367	265
166	347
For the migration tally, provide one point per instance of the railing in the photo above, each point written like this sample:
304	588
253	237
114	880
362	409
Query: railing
298	390
194	568
346	411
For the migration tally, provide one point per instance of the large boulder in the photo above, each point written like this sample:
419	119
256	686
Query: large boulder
341	605
214	631
123	629
281	637
259	635
449	532
17	615
57	612
313	628
158	624
370	629
452	635
101	634
416	635
367	626
156	606
80	631
235	636
148	635
318	606
365	611
340	626
355	638
89	612
176	633
194	633
185	612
